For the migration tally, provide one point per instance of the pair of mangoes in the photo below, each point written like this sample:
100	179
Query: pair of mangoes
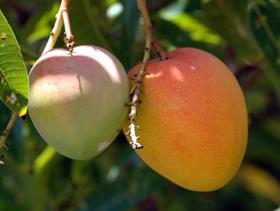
193	116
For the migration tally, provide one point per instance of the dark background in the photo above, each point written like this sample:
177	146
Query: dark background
244	34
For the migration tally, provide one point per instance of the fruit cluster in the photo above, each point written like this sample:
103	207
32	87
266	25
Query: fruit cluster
193	115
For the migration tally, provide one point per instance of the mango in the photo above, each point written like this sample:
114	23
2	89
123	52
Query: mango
193	119
77	100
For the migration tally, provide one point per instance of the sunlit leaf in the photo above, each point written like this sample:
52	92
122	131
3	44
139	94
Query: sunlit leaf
13	73
43	25
197	30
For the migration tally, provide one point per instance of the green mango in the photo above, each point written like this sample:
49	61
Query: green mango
77	100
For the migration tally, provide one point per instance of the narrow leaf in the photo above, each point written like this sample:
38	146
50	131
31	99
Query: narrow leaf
13	73
229	19
265	25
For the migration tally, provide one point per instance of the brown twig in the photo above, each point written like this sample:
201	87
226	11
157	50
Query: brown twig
142	6
6	131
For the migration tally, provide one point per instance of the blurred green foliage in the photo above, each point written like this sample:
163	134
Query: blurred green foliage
244	34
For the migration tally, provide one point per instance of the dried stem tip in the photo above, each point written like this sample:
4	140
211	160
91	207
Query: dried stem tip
136	90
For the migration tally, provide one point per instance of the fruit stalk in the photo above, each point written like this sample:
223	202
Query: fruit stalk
61	17
136	89
135	96
142	6
69	37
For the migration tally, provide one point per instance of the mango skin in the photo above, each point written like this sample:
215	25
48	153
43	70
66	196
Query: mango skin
77	101
193	120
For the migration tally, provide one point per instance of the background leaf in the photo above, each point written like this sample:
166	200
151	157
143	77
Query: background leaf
264	22
229	19
85	24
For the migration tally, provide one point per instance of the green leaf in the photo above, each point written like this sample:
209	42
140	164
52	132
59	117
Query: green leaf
264	19
13	73
177	36
40	24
